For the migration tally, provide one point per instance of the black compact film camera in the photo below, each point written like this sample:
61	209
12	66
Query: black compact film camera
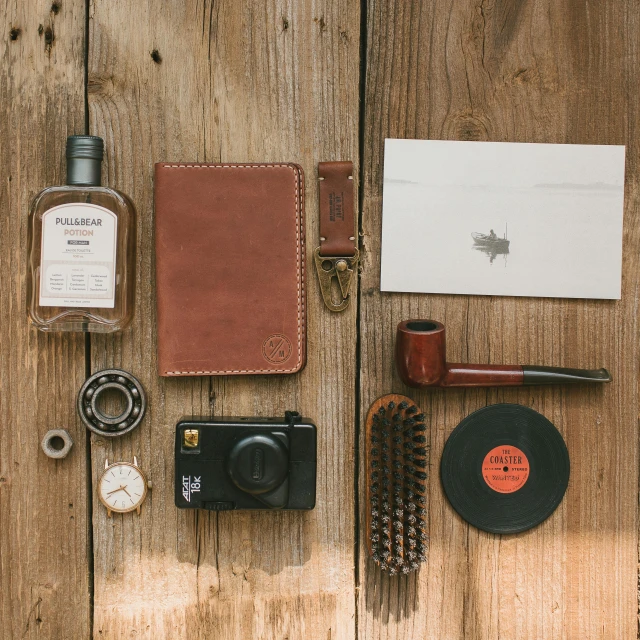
246	463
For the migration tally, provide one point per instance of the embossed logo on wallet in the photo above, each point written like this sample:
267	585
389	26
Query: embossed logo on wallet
276	348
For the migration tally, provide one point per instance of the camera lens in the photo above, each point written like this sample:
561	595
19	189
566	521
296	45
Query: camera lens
258	463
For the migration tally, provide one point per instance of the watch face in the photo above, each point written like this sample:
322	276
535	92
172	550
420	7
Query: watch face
122	487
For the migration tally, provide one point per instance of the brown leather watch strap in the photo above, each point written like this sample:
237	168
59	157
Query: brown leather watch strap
337	221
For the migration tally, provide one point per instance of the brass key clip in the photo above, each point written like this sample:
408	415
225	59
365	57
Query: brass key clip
342	268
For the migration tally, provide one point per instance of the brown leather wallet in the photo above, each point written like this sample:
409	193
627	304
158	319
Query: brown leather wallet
230	259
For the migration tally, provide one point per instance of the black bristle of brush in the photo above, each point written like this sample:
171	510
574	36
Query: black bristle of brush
397	463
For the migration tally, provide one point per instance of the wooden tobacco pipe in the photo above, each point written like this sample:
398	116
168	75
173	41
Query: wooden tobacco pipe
422	362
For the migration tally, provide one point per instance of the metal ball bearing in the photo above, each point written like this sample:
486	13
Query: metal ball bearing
116	380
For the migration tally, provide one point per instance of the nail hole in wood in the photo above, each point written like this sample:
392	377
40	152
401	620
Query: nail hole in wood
15	32
285	24
48	37
55	8
40	29
156	57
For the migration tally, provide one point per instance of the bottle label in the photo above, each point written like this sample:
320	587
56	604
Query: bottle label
505	468
78	259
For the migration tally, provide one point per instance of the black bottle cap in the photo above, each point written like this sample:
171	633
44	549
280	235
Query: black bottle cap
84	160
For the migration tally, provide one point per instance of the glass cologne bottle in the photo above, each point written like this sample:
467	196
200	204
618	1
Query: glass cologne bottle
82	244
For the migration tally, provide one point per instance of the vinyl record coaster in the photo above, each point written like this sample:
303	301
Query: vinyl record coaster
505	468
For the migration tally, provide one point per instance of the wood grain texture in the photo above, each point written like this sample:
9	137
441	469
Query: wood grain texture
223	80
511	71
227	81
44	553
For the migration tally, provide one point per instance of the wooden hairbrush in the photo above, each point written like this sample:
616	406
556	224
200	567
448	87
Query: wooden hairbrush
397	460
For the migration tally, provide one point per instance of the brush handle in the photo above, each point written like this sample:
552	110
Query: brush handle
560	375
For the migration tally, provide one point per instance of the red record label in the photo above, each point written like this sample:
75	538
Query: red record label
505	469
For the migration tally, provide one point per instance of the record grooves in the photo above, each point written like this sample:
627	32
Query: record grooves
505	468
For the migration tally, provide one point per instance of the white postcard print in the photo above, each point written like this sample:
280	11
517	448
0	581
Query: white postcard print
498	218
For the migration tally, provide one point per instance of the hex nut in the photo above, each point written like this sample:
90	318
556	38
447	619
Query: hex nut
51	437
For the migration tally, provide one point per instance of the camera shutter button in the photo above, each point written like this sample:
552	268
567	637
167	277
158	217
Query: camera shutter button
258	463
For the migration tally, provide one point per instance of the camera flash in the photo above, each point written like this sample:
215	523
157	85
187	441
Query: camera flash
190	438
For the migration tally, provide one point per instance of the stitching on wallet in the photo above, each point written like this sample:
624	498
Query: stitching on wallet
299	262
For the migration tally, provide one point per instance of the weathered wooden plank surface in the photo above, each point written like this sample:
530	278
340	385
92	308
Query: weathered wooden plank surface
229	81
44	568
511	71
278	80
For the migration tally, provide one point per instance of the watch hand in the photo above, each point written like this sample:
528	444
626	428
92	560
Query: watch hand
125	490
115	490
